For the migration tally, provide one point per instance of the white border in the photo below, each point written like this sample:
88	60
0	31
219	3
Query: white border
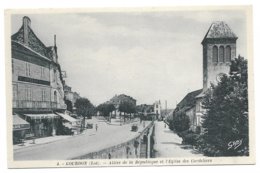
128	3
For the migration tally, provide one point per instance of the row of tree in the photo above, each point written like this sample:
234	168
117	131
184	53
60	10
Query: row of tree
86	109
106	109
225	123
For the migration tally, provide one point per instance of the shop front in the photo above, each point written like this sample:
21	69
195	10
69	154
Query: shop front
71	123
20	129
42	125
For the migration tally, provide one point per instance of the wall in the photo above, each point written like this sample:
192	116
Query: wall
134	148
212	69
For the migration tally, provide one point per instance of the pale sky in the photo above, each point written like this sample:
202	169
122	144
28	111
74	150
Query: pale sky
147	55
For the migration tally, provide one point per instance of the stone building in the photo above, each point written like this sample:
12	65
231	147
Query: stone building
71	96
157	109
36	81
219	48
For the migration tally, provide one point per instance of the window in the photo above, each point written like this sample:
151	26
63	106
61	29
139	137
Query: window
43	95
228	54
221	54
28	93
14	92
42	72
54	76
55	96
12	65
215	54
28	69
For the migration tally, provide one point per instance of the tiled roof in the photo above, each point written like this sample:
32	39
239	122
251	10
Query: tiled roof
219	29
34	42
189	100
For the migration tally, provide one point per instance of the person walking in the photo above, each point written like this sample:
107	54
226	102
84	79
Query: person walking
96	127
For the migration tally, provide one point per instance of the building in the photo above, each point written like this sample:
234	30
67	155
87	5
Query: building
157	109
150	112
36	80
188	106
68	93
219	48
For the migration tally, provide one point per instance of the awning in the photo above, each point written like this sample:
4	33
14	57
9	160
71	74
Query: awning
42	116
19	123
67	117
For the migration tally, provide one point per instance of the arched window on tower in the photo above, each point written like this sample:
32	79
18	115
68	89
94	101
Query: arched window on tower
215	54
221	54
228	54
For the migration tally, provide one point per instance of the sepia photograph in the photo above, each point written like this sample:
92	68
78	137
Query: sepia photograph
129	87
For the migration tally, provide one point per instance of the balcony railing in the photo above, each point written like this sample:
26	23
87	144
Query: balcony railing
36	104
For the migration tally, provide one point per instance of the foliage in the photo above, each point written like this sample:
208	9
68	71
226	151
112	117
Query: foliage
180	122
106	109
226	118
189	137
84	107
127	107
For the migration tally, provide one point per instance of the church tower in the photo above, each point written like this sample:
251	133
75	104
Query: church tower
219	48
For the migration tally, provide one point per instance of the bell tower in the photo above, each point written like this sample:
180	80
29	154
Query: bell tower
219	48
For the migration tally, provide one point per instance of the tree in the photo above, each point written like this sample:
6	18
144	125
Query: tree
69	105
226	119
106	109
84	108
127	107
180	122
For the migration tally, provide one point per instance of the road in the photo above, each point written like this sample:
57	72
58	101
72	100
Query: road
168	144
106	136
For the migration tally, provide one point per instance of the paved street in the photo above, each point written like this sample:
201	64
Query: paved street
106	136
168	144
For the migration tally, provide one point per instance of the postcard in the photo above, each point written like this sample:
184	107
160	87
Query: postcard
129	86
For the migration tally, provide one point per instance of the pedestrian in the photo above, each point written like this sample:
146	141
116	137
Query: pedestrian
164	125
96	127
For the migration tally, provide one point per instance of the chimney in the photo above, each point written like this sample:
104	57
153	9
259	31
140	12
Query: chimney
26	25
55	49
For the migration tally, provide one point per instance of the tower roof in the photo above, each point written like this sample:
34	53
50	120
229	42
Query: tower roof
219	29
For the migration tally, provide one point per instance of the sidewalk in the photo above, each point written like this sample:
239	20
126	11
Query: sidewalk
168	144
38	141
50	139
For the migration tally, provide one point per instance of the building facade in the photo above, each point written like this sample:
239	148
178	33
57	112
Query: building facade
157	109
219	48
36	80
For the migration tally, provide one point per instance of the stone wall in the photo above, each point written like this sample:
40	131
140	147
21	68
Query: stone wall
137	147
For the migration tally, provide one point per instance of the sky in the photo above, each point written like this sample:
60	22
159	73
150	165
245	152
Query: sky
147	55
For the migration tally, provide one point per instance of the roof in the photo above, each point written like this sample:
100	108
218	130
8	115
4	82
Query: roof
18	120
189	100
19	123
34	42
67	117
219	29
